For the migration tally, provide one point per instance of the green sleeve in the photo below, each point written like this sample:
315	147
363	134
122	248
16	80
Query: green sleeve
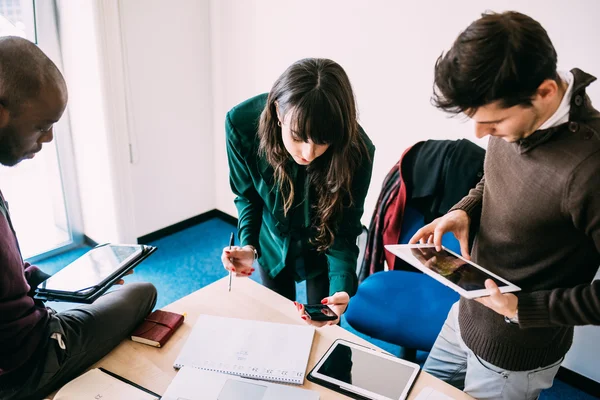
343	254
248	202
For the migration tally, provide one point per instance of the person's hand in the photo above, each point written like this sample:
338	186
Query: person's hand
121	281
456	222
503	303
338	304
238	260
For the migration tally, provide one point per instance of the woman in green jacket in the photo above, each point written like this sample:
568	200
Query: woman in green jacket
300	167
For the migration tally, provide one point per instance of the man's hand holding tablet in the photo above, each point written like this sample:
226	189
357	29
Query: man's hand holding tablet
458	222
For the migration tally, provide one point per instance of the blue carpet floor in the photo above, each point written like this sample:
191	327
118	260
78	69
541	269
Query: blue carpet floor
191	259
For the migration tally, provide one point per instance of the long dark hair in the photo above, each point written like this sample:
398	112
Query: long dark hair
318	94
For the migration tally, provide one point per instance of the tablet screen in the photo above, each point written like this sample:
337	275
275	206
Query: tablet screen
452	268
92	268
366	370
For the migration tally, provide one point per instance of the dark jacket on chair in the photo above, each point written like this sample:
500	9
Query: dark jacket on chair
431	176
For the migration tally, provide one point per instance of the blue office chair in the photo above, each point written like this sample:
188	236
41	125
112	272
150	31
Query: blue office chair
405	308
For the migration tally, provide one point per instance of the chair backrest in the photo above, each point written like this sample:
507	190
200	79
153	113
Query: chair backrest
429	179
412	221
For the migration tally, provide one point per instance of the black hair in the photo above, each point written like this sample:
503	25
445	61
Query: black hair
24	70
500	57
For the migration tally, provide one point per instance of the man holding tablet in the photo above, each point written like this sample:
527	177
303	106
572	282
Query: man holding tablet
538	208
459	274
40	349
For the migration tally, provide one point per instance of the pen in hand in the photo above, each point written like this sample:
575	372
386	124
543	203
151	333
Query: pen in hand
231	242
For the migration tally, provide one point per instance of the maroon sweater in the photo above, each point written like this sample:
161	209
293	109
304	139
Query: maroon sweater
539	204
22	320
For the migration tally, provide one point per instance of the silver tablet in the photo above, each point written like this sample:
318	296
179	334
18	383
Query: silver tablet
361	372
450	269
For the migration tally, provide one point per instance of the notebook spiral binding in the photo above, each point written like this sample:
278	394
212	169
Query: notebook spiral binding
297	381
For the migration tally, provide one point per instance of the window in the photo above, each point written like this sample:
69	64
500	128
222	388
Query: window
18	19
41	192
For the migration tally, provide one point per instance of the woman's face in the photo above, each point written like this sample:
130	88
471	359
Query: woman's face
302	152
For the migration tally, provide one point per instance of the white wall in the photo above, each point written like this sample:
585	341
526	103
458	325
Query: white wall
140	81
388	49
166	49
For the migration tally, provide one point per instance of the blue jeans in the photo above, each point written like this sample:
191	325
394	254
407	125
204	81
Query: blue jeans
453	362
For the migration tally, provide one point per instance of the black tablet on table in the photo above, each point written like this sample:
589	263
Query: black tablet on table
92	274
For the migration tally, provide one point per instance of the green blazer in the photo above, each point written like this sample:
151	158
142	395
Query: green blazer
261	222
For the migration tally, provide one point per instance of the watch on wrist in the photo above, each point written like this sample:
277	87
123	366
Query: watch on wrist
513	320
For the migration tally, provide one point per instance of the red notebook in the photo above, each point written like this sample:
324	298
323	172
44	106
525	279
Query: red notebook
157	328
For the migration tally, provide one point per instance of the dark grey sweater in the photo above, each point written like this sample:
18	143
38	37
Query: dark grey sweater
539	210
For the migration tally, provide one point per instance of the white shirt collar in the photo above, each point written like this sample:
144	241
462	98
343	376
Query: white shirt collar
561	115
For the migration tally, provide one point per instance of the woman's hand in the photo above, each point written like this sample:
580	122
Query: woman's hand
239	260
338	303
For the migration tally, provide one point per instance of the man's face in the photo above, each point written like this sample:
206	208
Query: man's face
518	122
23	133
511	124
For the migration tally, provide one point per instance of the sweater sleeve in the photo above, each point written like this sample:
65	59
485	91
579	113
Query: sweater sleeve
579	305
343	254
471	203
248	202
34	276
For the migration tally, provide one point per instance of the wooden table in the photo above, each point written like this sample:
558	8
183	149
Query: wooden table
153	367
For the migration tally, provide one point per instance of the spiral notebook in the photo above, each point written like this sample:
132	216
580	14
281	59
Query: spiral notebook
251	349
